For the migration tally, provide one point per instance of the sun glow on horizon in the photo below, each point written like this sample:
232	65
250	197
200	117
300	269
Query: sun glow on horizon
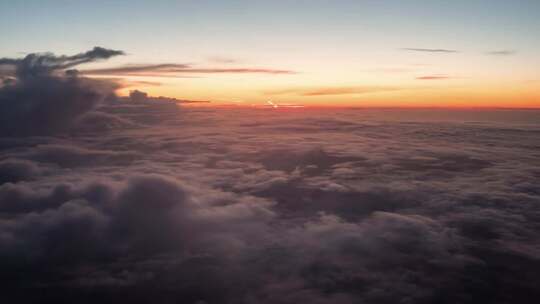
328	53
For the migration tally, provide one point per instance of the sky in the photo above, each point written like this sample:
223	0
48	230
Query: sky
476	53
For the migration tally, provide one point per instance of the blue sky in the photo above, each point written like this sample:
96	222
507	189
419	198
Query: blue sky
188	25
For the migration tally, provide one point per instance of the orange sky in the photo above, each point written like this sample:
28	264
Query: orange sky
426	93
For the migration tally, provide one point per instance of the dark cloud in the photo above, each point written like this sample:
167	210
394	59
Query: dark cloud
91	231
43	64
14	170
41	101
74	156
430	50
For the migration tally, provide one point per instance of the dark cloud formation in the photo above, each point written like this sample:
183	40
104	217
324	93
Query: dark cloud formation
142	203
40	100
430	50
43	64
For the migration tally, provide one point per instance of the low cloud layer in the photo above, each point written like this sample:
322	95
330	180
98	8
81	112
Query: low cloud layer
267	206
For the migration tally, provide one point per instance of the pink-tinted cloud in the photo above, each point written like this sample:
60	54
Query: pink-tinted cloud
433	77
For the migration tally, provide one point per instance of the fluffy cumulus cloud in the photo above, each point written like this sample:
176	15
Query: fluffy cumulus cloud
139	202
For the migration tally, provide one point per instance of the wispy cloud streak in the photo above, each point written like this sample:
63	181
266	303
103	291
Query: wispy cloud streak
175	68
430	50
433	77
40	64
502	53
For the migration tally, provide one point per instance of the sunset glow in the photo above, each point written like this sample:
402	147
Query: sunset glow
320	53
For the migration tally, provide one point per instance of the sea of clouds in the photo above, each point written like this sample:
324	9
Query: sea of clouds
107	200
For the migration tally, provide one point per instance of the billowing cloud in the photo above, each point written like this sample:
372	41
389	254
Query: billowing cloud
40	100
44	64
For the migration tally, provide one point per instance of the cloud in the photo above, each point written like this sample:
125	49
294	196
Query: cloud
74	156
40	101
433	77
194	101
129	69
502	53
136	201
43	64
172	70
430	50
15	170
248	205
349	90
220	59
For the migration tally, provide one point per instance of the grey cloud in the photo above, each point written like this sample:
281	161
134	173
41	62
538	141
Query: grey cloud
43	64
74	156
502	53
424	50
14	170
42	102
101	224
